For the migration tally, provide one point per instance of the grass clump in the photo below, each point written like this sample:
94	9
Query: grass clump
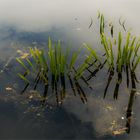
121	55
56	64
37	64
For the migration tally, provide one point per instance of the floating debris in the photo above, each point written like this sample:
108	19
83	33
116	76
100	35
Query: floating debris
120	131
109	107
30	97
8	89
34	95
122	118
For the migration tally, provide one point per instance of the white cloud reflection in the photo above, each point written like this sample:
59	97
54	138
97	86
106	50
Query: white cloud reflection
43	14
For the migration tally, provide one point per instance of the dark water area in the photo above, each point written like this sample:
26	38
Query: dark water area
96	108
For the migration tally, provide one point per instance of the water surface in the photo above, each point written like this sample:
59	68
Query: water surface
24	24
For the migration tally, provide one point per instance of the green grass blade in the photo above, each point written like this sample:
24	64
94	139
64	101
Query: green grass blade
94	54
22	64
136	64
23	78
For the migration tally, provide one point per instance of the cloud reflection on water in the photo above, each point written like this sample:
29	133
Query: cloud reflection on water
39	15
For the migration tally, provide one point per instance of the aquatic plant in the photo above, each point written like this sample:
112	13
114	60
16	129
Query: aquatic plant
55	62
40	67
91	59
127	52
127	57
120	55
102	22
107	44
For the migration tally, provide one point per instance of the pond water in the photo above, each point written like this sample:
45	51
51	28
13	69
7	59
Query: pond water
86	114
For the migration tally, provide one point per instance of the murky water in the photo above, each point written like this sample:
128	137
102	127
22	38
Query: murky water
86	116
